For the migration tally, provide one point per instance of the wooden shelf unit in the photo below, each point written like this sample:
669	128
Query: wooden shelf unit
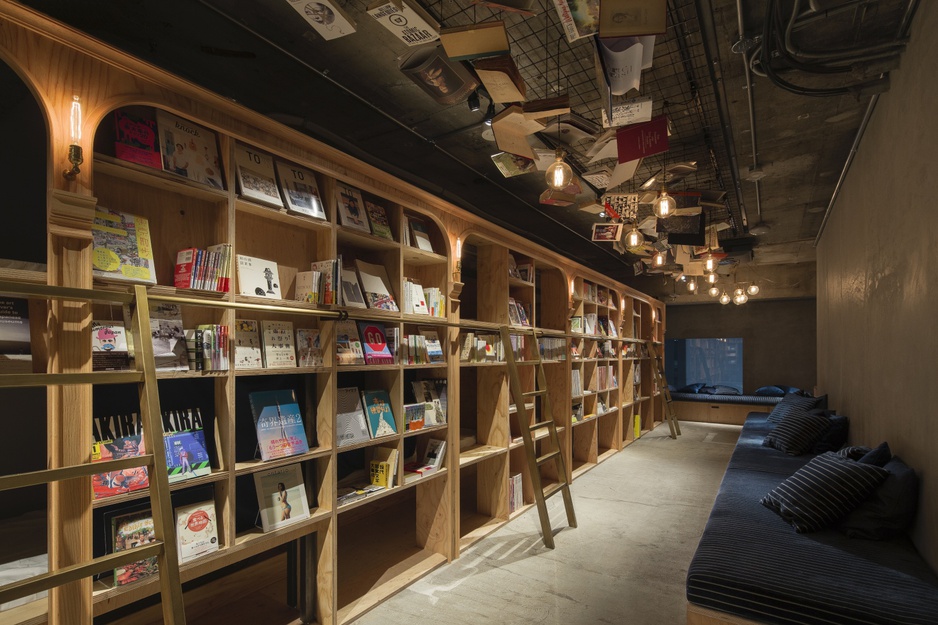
355	556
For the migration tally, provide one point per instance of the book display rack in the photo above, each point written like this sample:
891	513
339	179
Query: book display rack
454	280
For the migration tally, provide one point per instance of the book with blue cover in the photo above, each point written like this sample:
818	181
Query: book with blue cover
379	414
186	455
279	424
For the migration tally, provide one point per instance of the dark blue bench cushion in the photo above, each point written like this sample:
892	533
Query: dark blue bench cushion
755	400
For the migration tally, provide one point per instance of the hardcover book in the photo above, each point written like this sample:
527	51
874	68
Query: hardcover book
184	444
277	340
376	286
117	437
511	165
196	530
375	343
281	497
169	339
258	277
108	345
348	344
378	218
351	291
420	236
326	17
247	350
351	207
405	19
309	352
136	136
434	454
122	248
379	413
351	425
279	424
300	190
257	179
444	80
473	41
189	150
425	391
129	531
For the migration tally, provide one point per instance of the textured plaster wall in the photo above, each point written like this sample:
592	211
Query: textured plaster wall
779	339
878	278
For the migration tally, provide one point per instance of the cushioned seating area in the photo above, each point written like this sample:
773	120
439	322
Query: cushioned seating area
755	400
753	564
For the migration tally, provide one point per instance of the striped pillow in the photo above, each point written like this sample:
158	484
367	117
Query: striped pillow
789	402
823	491
854	452
797	432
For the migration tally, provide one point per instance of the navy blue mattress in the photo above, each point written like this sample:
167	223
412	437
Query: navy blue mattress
755	400
753	564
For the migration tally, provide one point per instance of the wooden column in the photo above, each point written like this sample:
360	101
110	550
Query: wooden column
69	411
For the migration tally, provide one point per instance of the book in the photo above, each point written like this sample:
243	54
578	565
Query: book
122	250
383	466
168	337
257	178
308	287
420	236
196	530
116	437
513	317
328	270
351	207
414	416
308	349
434	346
443	79
378	218
212	349
376	286
627	18
136	136
300	190
277	341
473	41
607	232
351	291
184	444
374	343
258	277
128	531
326	17
351	425
425	391
189	150
281	497
248	353
379	413
501	78
640	140
348	344
15	341
511	165
434	454
109	350
406	20
279	424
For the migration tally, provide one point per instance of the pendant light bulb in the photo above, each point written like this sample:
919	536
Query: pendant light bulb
692	285
664	205
710	263
712	278
558	174
634	238
660	259
724	299
753	289
713	291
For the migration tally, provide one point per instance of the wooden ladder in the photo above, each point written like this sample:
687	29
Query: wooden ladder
164	547
657	368
529	433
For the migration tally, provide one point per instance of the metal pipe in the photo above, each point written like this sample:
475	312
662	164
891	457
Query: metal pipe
752	108
840	54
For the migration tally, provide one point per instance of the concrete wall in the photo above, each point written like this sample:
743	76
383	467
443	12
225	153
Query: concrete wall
779	339
878	278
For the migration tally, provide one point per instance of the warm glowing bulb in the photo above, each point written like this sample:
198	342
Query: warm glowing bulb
712	278
710	263
458	248
692	285
664	205
753	289
558	174
660	258
75	121
713	291
741	299
724	299
634	238
737	292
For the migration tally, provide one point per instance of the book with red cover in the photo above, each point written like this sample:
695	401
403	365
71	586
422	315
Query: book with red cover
375	343
136	137
186	264
641	140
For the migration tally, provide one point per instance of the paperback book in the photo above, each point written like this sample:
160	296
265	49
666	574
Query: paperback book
374	343
308	349
300	190
376	286
378	218
326	17
128	531
379	413
406	20
247	349
168	337
351	424
184	443
277	340
189	150
279	424
196	531
383	467
122	251
257	178
328	270
281	497
420	236
348	344
414	416
351	291
258	277
116	437
351	208
109	350
136	138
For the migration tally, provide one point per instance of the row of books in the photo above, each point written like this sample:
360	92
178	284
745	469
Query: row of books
414	233
515	493
606	377
382	471
481	348
517	314
552	348
206	270
271	345
524	271
594	293
576	383
422	349
364	415
592	324
423	301
207	347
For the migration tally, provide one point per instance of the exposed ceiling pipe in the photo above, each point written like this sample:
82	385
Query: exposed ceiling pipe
752	110
903	31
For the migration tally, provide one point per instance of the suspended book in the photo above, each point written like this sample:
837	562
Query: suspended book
553	197
624	18
641	140
603	147
256	177
501	78
599	177
474	41
684	229
568	132
628	112
579	18
623	172
511	129
546	107
327	18
621	63
607	232
544	158
676	173
446	81
513	165
406	20
624	204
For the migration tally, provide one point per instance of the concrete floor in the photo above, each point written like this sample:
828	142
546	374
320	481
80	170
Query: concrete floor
640	515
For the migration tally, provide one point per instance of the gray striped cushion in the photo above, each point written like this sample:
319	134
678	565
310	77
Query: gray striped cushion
854	452
797	432
823	491
789	402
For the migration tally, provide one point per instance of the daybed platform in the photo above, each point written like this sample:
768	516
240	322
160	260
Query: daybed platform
752	567
729	409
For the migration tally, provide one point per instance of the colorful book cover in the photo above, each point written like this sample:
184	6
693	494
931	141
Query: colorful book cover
300	190
376	286
168	337
379	413
374	343
348	344
189	150
351	423
196	530
129	531
186	455
247	350
309	352
351	208
116	437
378	217
277	340
122	248
109	346
281	497
414	416
136	138
279	424
256	176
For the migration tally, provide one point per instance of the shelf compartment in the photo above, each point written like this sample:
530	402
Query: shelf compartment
416	256
364	240
280	215
252	466
433	428
478	453
144	493
245	373
158	179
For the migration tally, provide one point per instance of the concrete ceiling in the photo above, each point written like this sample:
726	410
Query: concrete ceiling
348	92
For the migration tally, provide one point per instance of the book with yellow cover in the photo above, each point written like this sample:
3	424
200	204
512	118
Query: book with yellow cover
122	248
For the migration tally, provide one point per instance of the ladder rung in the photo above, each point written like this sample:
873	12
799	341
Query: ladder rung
33	478
553	489
51	379
540	425
527	362
538	393
548	457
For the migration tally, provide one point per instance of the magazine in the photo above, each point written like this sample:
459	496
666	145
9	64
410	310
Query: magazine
189	150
